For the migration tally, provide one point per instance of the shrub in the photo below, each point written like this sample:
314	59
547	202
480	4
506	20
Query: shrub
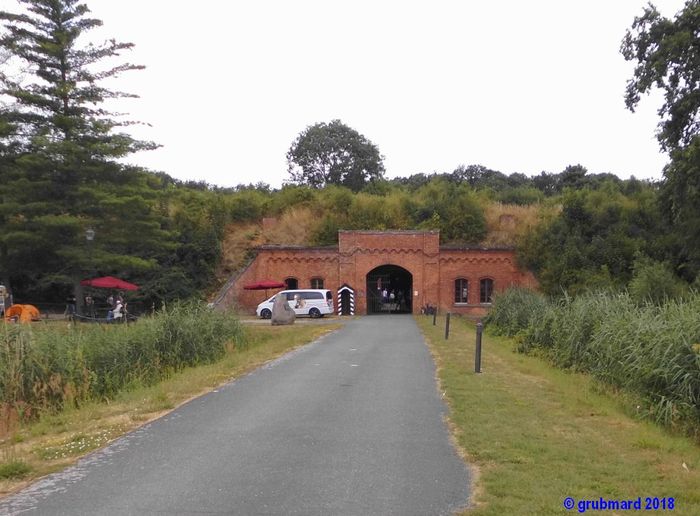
655	281
14	469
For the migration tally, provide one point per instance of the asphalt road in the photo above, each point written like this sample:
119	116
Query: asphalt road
351	424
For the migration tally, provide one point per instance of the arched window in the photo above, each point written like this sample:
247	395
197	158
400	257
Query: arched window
316	282
292	283
461	290
486	290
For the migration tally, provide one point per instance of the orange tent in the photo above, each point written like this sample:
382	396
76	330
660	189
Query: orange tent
22	313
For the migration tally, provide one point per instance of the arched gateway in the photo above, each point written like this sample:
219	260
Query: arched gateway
389	290
412	262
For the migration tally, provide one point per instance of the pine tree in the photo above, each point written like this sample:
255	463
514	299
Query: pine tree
59	152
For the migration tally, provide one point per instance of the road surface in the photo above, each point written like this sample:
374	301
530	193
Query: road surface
351	424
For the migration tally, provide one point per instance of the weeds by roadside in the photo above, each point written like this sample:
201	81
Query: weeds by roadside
55	439
43	370
649	350
538	434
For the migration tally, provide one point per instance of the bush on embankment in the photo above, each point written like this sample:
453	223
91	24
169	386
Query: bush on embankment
650	350
47	367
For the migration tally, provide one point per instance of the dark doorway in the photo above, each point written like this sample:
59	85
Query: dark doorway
345	303
382	282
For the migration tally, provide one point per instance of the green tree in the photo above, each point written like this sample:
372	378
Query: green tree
334	154
573	176
680	198
479	177
666	53
327	231
667	56
592	243
455	210
197	220
59	151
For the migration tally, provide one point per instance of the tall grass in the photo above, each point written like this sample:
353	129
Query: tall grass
649	350
46	367
513	310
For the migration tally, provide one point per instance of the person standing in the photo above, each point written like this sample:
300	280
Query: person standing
89	306
71	302
3	292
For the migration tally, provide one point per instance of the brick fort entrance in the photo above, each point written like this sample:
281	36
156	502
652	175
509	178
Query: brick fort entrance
389	290
411	263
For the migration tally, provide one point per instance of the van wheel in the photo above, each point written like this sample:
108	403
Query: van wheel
315	313
265	314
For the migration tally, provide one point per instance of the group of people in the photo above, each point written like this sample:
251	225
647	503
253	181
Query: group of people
394	299
118	307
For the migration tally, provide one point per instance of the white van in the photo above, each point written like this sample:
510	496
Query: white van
311	302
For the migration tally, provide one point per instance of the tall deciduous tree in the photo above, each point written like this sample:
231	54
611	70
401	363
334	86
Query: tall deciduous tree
334	154
680	197
58	151
667	56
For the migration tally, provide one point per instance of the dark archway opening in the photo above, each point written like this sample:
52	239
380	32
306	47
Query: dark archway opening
382	282
344	308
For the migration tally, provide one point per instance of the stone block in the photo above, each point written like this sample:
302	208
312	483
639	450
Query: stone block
282	313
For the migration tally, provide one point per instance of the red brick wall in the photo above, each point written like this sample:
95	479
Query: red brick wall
416	251
475	265
434	270
278	264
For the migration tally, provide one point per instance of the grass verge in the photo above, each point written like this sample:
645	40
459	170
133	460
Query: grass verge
536	435
56	441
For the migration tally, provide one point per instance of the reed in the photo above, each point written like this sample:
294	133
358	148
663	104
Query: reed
44	368
513	310
651	351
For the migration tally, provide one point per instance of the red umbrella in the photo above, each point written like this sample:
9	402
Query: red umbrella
109	282
264	285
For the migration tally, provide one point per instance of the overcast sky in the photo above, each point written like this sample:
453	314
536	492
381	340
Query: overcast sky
517	86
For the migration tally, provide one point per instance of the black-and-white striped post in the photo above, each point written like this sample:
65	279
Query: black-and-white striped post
351	299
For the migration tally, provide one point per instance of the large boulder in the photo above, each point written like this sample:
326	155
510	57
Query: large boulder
282	313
